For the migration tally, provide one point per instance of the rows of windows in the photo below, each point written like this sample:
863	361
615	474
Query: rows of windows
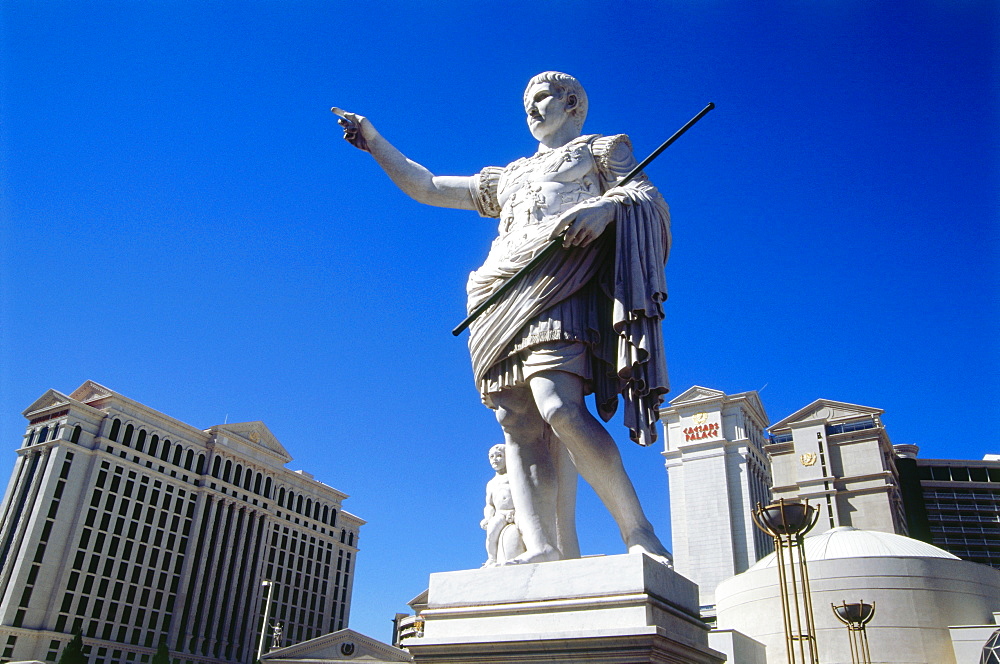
141	441
134	530
832	430
307	507
992	531
976	549
41	434
234	473
760	494
957	510
43	540
29	472
224	469
124	578
848	427
311	593
222	589
46	433
969	495
960	474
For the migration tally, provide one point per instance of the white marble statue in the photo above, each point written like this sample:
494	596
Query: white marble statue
503	538
276	632
587	320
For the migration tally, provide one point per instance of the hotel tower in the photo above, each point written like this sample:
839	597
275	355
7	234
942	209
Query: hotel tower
133	528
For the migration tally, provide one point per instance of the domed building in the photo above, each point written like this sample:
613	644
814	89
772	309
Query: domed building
930	606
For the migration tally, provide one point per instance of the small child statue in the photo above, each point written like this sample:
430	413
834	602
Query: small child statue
502	543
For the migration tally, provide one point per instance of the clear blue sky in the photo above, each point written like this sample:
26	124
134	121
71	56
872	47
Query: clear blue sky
182	223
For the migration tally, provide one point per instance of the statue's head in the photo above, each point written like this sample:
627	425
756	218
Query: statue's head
564	89
498	458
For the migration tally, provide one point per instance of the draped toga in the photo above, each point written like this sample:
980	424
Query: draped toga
596	310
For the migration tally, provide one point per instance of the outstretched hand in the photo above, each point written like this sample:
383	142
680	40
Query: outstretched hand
584	222
355	127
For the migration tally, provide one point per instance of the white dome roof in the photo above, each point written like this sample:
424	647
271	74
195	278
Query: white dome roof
849	542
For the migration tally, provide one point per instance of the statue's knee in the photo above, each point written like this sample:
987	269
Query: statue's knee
505	417
562	416
512	423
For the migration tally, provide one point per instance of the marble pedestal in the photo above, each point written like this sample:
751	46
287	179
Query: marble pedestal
626	609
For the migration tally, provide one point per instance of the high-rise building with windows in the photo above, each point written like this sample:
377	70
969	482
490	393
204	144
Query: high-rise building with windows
717	472
133	528
953	503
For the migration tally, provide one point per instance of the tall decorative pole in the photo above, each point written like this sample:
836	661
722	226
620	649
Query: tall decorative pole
267	615
856	616
788	521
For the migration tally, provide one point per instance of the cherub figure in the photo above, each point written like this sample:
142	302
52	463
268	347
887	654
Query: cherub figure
499	513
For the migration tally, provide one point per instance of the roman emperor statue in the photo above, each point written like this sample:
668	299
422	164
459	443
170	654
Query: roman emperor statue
587	320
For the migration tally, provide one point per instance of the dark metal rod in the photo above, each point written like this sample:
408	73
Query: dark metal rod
556	242
666	144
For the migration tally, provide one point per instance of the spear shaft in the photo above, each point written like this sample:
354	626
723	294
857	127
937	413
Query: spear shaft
556	242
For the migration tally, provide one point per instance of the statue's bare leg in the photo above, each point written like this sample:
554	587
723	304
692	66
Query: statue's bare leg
493	530
559	396
566	538
532	473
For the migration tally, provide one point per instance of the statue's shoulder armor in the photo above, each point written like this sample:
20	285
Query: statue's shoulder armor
613	155
483	187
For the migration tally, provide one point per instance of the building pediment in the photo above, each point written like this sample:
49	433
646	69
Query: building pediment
696	393
53	399
48	400
255	435
825	410
91	391
753	403
345	645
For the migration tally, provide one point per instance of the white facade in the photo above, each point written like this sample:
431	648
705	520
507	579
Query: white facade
718	472
920	594
838	457
132	527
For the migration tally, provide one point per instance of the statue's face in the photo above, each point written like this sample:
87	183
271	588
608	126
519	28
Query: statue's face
498	459
548	110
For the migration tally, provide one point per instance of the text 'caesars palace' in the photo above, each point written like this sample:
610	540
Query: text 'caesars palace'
134	529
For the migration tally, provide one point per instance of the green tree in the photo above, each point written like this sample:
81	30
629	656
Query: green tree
162	655
73	652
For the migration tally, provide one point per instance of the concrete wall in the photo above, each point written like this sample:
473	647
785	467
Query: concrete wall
916	600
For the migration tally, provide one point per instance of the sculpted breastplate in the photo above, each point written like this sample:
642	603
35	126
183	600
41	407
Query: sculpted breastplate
534	191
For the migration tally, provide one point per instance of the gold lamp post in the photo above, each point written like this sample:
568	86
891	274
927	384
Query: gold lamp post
856	616
788	521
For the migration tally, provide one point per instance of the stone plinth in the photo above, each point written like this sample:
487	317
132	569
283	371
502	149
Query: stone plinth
610	609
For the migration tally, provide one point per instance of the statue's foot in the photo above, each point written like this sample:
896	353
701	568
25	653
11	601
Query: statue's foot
543	555
644	540
490	562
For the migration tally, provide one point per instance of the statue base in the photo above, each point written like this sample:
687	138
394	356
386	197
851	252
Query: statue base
608	609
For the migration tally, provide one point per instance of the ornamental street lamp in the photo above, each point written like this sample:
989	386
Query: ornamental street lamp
267	615
856	616
787	521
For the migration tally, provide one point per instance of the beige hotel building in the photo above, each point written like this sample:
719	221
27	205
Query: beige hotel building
134	528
